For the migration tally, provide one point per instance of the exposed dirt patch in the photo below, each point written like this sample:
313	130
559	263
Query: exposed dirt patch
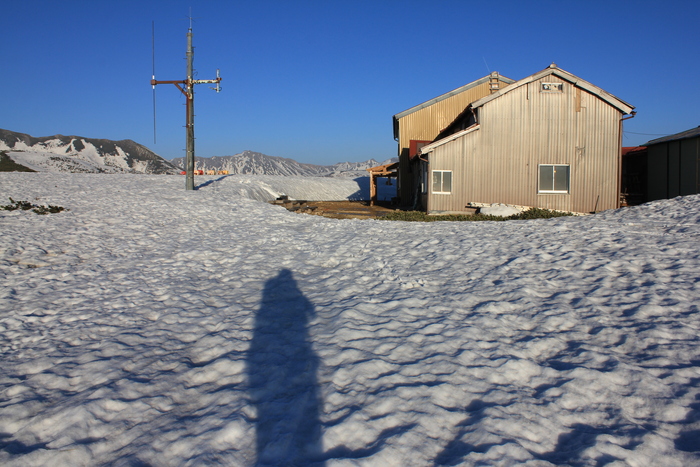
338	209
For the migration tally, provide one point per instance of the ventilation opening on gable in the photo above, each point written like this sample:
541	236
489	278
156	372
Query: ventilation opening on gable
552	87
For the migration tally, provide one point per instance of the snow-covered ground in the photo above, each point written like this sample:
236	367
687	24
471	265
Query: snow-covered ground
150	325
269	187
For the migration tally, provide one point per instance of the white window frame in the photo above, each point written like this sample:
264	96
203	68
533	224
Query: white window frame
442	183
545	190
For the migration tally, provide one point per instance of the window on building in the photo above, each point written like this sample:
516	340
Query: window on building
554	178
442	181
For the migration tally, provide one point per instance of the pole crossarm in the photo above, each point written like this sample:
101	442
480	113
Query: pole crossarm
154	82
176	83
184	81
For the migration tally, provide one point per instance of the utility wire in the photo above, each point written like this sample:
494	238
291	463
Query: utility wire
153	58
647	134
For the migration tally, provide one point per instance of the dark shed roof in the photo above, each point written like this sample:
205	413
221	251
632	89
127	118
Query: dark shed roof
693	132
634	150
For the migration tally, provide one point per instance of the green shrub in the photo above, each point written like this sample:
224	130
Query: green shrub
48	209
538	213
26	206
420	216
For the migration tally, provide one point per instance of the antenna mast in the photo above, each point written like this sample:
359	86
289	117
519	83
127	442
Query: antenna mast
188	90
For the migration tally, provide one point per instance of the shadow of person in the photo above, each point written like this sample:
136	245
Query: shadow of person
281	366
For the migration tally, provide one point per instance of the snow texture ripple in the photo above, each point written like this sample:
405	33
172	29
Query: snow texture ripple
149	325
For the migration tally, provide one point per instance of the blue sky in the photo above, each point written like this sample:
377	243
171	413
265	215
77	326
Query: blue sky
318	81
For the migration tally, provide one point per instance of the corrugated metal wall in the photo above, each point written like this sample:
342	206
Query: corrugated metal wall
461	157
690	169
674	168
426	124
524	128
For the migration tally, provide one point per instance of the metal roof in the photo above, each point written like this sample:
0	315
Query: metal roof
682	135
633	150
459	90
554	70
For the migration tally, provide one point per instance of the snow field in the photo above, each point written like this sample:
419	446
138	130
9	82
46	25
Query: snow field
153	325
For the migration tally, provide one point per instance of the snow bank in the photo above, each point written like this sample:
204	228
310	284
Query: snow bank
270	187
502	210
151	325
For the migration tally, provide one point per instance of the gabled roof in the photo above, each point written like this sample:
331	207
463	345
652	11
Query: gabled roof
459	90
682	135
619	104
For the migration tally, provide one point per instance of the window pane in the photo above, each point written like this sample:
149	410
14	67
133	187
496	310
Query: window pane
447	182
561	178
437	181
546	177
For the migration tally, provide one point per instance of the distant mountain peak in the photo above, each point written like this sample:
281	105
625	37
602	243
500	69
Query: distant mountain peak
59	153
255	163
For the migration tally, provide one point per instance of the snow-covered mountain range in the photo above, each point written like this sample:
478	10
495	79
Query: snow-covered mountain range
75	154
255	163
60	153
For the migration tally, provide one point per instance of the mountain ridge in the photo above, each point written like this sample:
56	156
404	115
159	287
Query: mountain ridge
255	163
76	154
59	153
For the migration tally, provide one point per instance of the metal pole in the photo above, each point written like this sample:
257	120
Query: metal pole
188	90
190	113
